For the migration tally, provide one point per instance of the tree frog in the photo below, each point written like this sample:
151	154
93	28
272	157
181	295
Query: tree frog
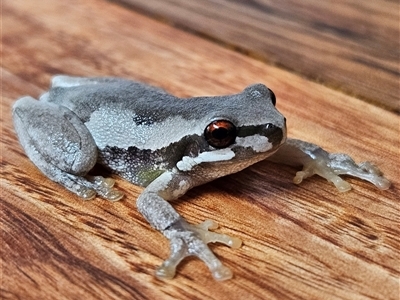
167	145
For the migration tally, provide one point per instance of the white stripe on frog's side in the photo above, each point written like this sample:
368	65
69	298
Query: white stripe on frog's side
187	163
117	128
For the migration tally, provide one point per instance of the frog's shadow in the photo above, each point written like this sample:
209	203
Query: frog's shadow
260	180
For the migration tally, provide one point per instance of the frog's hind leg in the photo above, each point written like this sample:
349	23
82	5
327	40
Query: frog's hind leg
59	144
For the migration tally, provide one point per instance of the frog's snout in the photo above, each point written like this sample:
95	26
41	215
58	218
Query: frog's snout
275	134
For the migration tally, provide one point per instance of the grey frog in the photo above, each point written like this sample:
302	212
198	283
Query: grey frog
168	145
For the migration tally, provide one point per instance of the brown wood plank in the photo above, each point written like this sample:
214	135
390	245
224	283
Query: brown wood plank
349	45
300	242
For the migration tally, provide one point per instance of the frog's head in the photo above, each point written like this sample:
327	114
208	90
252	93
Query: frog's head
249	121
241	130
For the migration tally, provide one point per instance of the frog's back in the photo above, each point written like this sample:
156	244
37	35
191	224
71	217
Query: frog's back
85	95
127	120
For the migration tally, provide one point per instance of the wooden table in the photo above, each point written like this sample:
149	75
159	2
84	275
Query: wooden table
334	68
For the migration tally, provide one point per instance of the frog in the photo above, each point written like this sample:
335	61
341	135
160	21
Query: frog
168	145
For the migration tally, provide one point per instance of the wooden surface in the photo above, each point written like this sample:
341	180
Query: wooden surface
300	242
349	45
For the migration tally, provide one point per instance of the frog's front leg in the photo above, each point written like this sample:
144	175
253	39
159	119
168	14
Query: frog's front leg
316	160
59	144
185	239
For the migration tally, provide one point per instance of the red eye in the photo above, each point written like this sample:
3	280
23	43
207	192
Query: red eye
220	133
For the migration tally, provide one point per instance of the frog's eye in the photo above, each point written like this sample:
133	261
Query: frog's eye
273	98
220	133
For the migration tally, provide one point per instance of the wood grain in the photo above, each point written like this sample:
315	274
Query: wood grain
348	45
300	242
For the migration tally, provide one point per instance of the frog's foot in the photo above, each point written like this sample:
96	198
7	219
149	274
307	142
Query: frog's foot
88	187
186	240
336	164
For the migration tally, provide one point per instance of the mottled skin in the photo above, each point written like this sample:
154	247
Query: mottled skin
159	141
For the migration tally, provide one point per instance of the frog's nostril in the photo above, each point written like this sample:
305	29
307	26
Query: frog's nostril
274	134
270	127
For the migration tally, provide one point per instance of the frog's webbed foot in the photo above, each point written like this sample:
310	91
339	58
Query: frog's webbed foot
88	187
330	166
186	240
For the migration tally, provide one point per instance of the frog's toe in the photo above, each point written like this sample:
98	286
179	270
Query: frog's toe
85	193
178	252
340	184
218	270
104	187
212	237
382	183
207	225
114	195
222	273
300	176
166	271
101	181
369	172
373	174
